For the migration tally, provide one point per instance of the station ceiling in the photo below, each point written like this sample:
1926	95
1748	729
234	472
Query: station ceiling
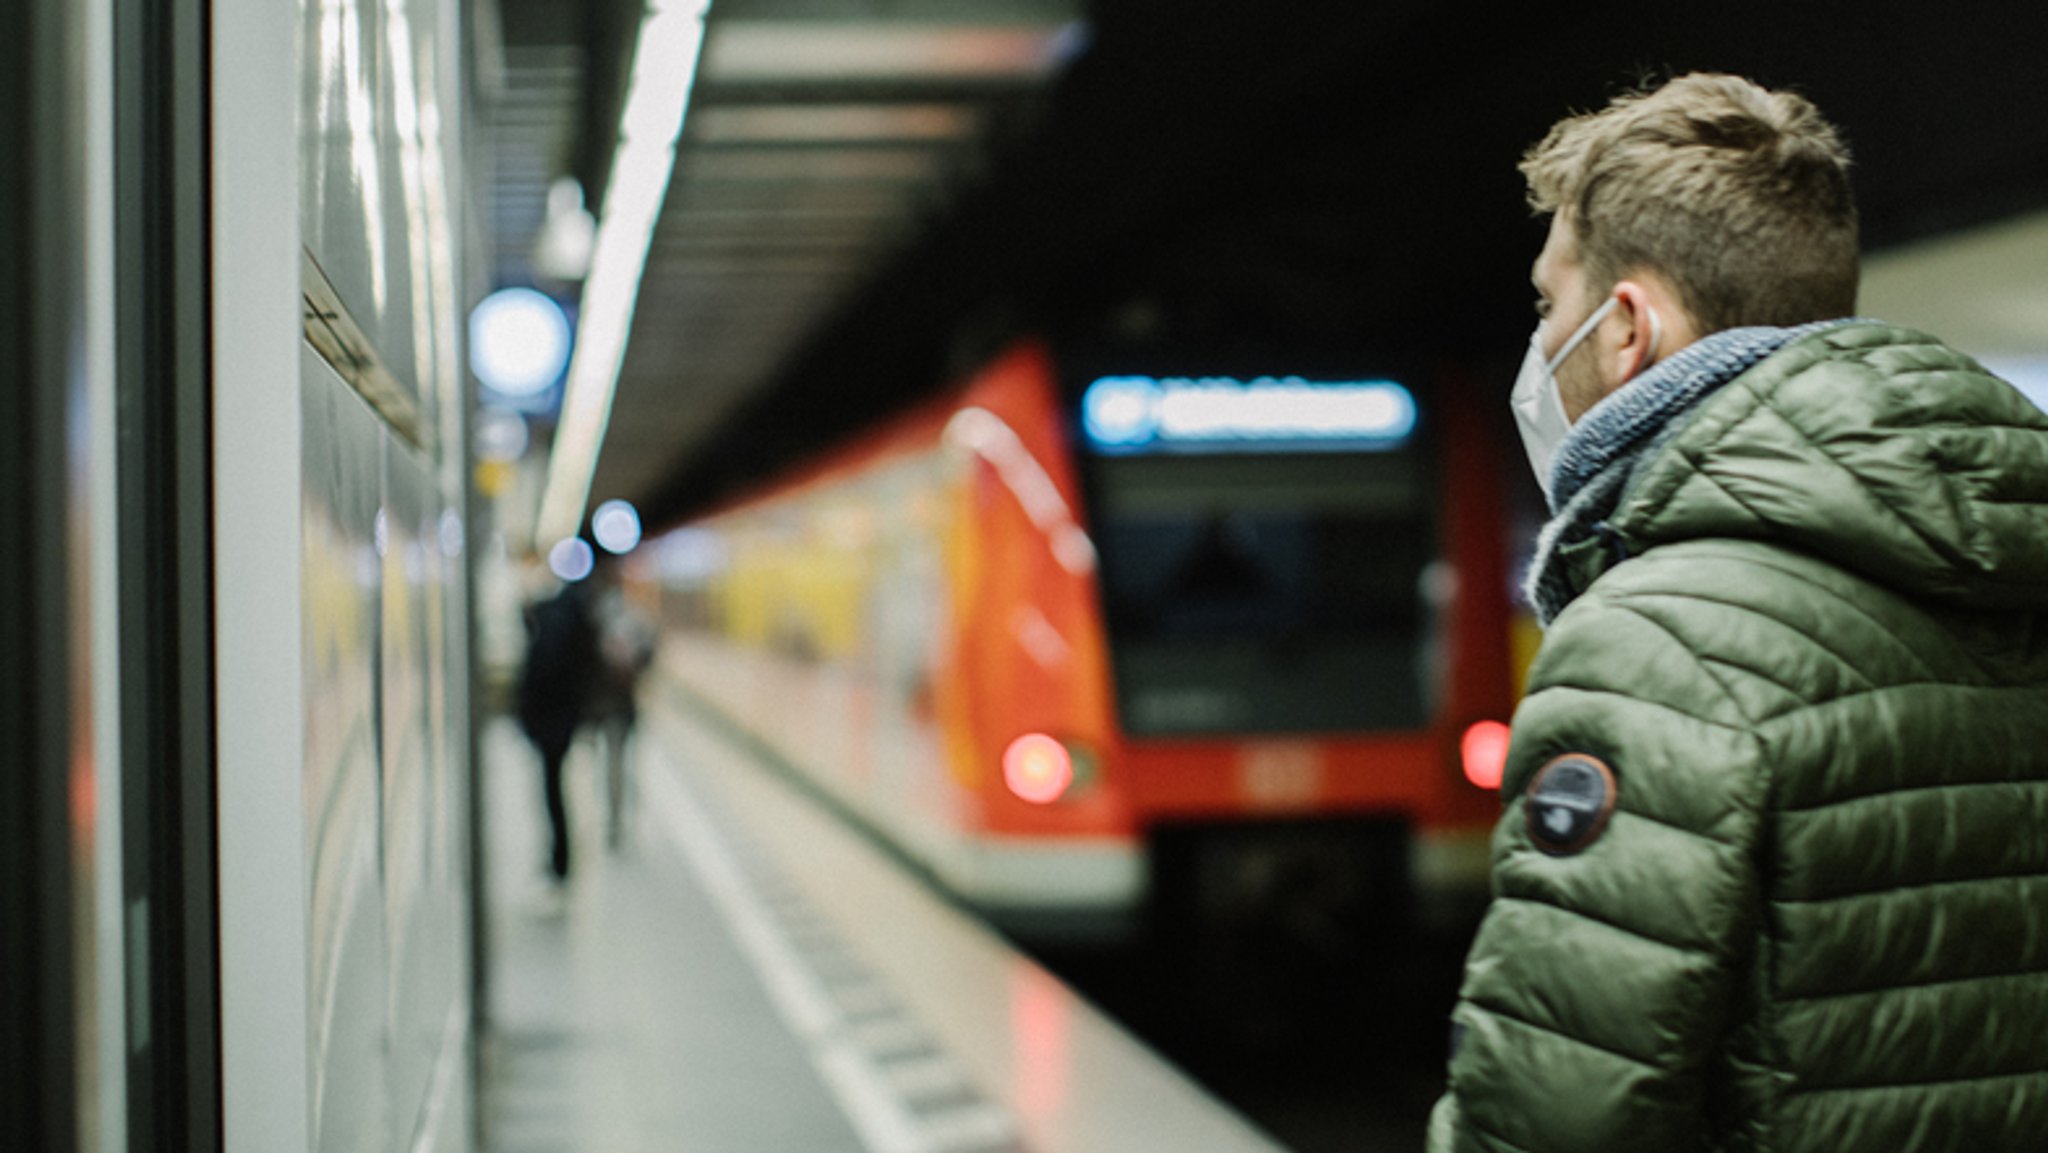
872	195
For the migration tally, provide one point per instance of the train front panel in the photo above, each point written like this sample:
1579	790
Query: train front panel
1040	669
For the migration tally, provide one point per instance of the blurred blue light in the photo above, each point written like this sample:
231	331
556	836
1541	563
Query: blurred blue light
518	342
571	559
451	533
616	525
500	434
1121	410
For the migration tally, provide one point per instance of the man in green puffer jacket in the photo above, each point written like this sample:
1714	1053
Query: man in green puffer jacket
1772	873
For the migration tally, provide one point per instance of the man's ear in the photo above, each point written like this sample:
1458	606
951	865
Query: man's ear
1639	319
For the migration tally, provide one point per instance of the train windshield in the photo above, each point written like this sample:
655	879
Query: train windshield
1266	593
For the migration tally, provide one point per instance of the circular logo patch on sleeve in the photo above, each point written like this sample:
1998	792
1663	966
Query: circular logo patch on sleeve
1568	803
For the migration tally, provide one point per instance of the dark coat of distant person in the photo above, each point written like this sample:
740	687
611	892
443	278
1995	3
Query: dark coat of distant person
561	666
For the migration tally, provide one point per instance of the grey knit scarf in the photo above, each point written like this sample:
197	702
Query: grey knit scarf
1626	430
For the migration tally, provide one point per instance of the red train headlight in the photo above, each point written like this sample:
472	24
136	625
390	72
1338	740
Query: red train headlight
1485	753
1038	768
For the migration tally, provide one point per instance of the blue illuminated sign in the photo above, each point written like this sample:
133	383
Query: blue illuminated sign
1139	414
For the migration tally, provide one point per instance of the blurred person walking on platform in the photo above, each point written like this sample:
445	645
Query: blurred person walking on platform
555	684
626	641
1772	872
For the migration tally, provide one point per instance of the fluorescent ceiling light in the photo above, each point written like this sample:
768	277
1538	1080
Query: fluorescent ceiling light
664	63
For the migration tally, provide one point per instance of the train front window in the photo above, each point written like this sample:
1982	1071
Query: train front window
1266	593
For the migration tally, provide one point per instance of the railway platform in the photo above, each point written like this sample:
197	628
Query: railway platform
744	973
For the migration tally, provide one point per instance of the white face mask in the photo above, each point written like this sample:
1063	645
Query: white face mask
1539	410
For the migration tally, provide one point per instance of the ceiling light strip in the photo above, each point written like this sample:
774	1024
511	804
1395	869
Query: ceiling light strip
664	65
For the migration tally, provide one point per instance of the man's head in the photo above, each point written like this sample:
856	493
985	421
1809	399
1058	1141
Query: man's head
1708	203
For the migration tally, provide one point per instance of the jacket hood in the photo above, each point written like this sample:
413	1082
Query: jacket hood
1876	448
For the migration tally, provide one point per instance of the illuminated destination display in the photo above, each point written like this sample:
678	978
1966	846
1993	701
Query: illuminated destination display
1137	414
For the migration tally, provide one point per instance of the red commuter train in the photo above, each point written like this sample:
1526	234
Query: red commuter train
1149	647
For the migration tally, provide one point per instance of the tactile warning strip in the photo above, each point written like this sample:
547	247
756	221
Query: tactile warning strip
900	1088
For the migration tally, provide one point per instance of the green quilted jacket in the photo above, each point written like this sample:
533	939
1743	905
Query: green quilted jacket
1812	658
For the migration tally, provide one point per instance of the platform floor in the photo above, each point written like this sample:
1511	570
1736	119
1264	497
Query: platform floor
746	975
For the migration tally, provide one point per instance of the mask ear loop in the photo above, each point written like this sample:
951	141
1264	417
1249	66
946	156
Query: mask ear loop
1579	335
1656	337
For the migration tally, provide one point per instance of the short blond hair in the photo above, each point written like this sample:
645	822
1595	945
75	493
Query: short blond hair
1739	196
